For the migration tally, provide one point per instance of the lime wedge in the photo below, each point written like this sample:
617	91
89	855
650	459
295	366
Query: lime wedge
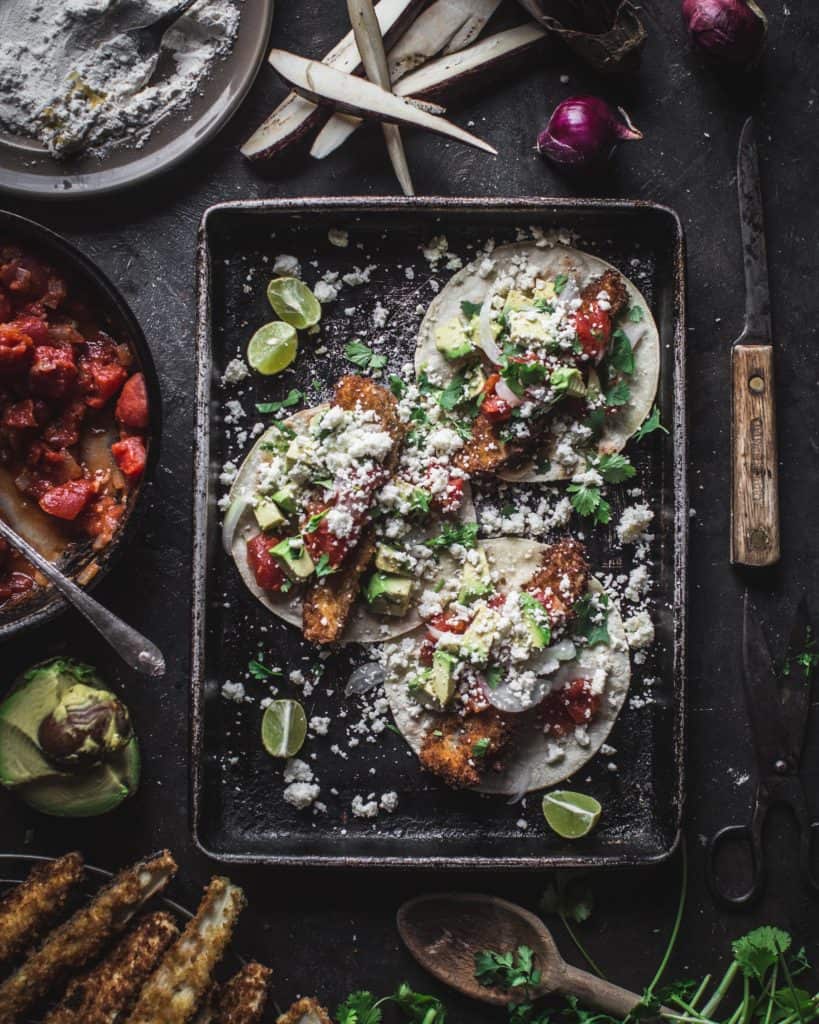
571	815
284	727
273	348
294	302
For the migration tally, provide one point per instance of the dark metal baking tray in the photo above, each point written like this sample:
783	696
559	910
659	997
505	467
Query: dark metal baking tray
238	810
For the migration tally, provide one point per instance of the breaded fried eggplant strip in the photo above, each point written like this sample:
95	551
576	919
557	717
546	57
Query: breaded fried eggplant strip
84	936
106	994
328	603
305	1011
172	994
29	908
242	999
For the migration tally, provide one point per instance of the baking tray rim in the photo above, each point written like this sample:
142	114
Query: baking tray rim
344	205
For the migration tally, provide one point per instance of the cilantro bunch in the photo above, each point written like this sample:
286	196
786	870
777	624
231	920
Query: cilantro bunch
363	1008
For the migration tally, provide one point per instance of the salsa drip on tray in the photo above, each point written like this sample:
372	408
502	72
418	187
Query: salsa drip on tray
73	418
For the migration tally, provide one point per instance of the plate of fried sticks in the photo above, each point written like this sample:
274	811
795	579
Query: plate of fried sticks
79	945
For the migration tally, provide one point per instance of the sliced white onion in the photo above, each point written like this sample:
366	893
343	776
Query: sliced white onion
485	341
503	391
365	678
234	513
564	650
513	701
445	636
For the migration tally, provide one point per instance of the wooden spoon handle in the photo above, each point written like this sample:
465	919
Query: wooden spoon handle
594	991
754	468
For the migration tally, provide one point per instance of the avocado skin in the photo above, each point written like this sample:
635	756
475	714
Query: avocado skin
26	772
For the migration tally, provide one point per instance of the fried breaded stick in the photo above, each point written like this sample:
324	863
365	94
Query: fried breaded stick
449	750
242	999
484	452
83	936
172	994
28	908
562	579
328	602
305	1011
613	285
106	994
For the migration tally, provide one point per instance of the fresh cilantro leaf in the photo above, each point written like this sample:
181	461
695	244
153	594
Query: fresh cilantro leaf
591	618
453	394
807	659
506	970
587	500
520	376
294	396
323	567
420	500
560	283
397	386
568	895
470	309
620	394
507	510
759	950
621	356
359	1008
362	355
636	314
650	425
419	415
465	534
425	385
259	670
313	521
543	306
494	676
419	1008
480	747
596	421
614	468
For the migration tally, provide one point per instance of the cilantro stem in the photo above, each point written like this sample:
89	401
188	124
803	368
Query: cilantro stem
581	948
789	979
706	981
772	990
675	930
721	990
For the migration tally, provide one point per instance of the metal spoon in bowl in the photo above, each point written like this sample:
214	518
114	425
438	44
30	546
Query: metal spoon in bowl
135	650
443	932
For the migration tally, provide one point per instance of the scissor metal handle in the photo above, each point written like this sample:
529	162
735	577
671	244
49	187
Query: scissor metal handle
749	837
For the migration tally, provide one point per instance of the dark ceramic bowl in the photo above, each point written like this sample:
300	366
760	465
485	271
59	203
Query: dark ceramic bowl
118	320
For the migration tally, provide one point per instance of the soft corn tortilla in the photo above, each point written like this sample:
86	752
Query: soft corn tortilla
469	285
530	758
363	626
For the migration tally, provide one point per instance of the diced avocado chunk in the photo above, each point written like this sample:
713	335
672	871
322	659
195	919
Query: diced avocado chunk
392	560
416	498
452	341
435	687
388	594
268	515
476	643
300	449
516	300
529	325
285	498
294	558
476	580
535	617
568	380
474	382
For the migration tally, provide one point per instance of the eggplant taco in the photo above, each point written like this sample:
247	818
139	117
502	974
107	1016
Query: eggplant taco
552	355
517	681
321	530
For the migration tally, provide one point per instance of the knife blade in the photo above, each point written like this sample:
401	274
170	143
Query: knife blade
754	466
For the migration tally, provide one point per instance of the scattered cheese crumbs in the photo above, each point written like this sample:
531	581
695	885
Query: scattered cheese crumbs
235	371
287	266
639	630
338	238
319	725
388	802
325	291
234	691
301	794
633	523
365	808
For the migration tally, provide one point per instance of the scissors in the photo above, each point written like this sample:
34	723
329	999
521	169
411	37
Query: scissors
779	715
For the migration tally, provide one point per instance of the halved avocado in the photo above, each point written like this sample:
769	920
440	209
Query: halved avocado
74	792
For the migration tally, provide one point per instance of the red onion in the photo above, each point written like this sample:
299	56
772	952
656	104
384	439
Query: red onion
584	131
733	31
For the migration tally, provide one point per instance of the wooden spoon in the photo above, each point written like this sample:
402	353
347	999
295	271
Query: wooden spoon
443	932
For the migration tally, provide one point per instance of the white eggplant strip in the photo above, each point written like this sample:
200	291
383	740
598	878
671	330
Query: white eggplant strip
353	95
480	13
438	75
374	58
431	31
295	115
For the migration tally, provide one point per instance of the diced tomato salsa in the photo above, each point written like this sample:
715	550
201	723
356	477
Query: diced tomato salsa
263	565
575	704
61	378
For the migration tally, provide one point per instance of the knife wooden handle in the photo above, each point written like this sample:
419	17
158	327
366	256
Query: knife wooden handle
754	468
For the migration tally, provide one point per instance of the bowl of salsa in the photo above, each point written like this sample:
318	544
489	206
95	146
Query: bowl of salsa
79	417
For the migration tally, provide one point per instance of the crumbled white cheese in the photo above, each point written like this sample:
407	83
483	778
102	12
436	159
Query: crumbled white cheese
338	238
286	266
362	808
235	371
633	523
639	630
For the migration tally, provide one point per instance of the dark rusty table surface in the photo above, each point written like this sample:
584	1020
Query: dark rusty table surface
327	933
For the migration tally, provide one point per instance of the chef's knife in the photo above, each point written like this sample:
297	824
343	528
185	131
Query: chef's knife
755	475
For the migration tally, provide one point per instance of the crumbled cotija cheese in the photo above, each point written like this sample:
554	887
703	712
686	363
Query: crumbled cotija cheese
633	523
639	630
